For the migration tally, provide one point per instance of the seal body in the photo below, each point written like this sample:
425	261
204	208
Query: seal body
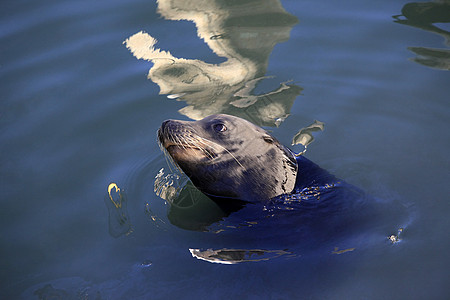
229	157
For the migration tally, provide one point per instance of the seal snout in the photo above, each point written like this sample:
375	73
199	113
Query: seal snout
182	142
172	132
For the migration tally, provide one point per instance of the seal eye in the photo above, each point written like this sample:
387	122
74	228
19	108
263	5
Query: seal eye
268	139
219	127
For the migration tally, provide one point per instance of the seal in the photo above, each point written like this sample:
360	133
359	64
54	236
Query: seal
234	162
229	157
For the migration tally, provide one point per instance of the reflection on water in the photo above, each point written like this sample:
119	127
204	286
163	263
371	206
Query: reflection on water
305	135
337	251
425	15
240	31
118	219
234	256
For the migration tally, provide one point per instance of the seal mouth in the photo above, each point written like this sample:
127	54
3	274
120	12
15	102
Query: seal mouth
189	151
185	146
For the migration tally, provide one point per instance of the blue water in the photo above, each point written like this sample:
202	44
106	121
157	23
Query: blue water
77	113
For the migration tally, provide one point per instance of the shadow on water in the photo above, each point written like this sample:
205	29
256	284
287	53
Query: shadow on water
425	15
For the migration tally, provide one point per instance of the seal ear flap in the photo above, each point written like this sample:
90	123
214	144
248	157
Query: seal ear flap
291	169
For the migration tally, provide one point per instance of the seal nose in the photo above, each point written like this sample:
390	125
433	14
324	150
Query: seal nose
164	124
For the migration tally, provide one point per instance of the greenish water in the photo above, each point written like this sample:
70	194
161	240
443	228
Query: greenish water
78	113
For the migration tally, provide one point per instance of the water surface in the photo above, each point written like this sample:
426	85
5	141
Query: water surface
78	113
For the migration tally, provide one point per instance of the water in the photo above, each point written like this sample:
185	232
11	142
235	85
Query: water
78	113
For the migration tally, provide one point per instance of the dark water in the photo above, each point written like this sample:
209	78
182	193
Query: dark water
78	113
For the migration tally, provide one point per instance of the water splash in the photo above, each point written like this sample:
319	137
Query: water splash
169	186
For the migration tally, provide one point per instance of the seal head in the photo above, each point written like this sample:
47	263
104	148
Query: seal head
229	157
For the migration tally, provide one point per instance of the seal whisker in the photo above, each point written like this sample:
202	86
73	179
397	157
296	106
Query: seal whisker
198	144
223	148
179	141
207	152
169	160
